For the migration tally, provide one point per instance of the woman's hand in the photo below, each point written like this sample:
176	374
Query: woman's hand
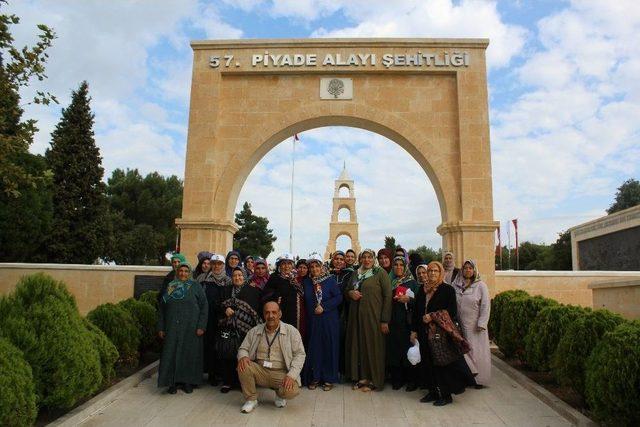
426	318
319	309
384	327
229	312
413	337
161	334
402	298
355	295
199	332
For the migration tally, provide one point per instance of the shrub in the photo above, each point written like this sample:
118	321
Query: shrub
121	329
497	306
150	297
613	376
568	362
545	332
516	317
107	351
18	396
146	318
41	319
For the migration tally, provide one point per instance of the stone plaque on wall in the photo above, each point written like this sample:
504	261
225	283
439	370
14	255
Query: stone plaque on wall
144	283
614	251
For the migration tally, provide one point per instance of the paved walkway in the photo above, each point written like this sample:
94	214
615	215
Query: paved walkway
504	403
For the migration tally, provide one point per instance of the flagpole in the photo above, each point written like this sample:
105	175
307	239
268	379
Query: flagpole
508	245
293	166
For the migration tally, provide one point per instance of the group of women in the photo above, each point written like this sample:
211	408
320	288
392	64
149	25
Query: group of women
358	316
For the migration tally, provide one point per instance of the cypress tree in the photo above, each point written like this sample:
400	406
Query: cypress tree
78	191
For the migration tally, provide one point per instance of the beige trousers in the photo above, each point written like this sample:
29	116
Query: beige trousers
256	375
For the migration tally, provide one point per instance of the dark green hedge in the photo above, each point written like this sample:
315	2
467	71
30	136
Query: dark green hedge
121	328
41	319
146	318
613	376
568	363
497	306
545	332
107	351
150	297
516	317
17	389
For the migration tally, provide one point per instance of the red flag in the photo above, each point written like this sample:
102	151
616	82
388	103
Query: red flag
499	246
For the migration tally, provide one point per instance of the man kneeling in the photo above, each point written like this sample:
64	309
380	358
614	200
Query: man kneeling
271	355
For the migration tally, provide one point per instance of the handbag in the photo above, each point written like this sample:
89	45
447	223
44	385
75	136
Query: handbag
228	342
443	350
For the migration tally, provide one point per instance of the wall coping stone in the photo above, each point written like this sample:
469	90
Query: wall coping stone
619	284
547	273
33	266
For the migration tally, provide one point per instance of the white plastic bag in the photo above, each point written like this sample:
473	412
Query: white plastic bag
413	354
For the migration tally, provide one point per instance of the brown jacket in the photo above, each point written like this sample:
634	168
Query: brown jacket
290	343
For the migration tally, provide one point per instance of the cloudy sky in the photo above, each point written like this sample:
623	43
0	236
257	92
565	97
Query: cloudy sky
565	105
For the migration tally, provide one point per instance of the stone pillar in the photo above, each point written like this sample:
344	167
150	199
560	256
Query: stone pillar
474	240
205	235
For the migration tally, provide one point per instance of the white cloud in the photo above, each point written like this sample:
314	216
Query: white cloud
393	194
572	134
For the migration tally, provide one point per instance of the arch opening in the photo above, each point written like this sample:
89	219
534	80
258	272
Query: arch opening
344	191
343	242
344	214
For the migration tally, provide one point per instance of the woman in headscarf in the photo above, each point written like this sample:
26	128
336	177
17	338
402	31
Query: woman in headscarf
249	263
176	259
203	267
350	258
239	312
451	272
474	306
213	286
283	288
302	270
232	261
182	319
260	274
369	314
384	259
322	297
342	274
403	287
433	295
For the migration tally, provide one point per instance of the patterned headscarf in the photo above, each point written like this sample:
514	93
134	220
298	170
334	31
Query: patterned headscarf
432	286
406	274
259	281
389	254
460	282
366	273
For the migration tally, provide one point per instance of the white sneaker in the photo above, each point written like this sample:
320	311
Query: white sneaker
280	402
249	406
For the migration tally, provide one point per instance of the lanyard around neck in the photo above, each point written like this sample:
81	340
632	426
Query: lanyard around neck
269	344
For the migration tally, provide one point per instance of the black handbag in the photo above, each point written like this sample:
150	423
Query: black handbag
228	342
443	350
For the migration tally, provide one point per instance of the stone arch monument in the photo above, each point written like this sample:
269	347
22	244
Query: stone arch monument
427	95
339	228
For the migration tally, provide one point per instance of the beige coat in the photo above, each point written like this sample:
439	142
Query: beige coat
290	343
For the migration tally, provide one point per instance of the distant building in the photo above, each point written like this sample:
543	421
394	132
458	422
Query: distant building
608	243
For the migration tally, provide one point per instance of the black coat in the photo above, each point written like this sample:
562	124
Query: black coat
249	294
454	377
277	287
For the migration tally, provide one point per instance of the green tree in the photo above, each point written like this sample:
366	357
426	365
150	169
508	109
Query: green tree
25	221
142	216
78	230
427	254
559	255
390	243
628	196
18	66
254	237
533	256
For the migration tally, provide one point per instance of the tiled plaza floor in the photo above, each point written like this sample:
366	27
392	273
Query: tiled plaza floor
504	403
